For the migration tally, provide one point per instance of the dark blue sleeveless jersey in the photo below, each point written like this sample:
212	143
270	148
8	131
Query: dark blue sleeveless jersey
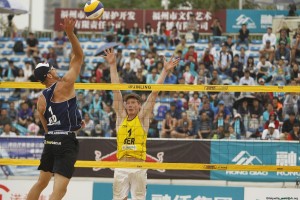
63	116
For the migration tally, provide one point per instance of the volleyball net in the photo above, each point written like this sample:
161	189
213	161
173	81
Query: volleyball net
193	128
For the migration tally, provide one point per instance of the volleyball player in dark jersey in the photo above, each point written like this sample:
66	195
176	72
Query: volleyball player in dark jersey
61	119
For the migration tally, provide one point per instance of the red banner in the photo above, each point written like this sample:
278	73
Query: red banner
155	17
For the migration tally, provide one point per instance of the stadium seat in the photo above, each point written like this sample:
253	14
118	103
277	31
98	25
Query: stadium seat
160	48
4	105
98	60
254	55
60	74
20	53
132	47
92	47
88	53
41	46
4	39
202	41
126	53
86	60
58	60
15	59
254	48
256	42
238	48
200	48
7	52
10	45
66	60
18	39
83	39
87	75
27	59
49	46
171	48
2	46
96	40
44	39
168	54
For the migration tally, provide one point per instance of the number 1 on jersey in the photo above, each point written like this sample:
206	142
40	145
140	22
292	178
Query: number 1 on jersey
53	117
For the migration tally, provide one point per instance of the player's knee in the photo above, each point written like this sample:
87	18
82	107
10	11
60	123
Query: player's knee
59	193
42	183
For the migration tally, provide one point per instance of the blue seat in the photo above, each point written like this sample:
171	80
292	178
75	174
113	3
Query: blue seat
126	53
7	53
58	60
88	53
132	47
10	45
87	75
4	39
15	59
2	46
254	55
49	46
254	48
92	47
171	48
18	39
66	60
27	59
44	39
5	90
41	46
168	54
238	48
4	105
96	40
201	48
86	60
98	60
256	41
202	41
83	39
160	48
60	74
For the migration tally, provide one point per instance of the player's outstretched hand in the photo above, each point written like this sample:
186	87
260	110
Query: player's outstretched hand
68	25
110	56
172	63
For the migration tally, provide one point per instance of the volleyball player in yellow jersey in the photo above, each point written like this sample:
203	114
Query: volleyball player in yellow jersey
132	127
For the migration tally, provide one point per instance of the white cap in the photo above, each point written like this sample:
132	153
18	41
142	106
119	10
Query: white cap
132	51
271	125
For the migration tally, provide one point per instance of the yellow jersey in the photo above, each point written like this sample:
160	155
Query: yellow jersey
131	139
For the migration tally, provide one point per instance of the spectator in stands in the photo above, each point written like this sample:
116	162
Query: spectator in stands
174	111
208	60
216	30
282	73
212	50
251	66
272	119
21	77
183	127
243	56
52	57
222	115
224	61
162	34
191	52
204	126
294	134
269	36
153	131
149	61
238	127
228	99
7	131
296	48
25	113
168	125
4	118
174	36
120	59
12	112
205	107
247	79
139	77
28	69
12	28
152	78
33	128
11	72
236	69
98	131
134	62
135	31
267	112
295	72
203	76
122	34
109	31
282	51
181	47
256	110
171	78
288	124
219	133
271	133
277	106
229	44
268	51
243	37
32	44
188	76
60	44
149	32
262	68
215	76
283	37
193	27
89	126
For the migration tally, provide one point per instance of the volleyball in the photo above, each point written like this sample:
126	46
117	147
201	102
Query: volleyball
93	9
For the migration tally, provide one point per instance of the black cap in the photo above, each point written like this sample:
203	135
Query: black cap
41	71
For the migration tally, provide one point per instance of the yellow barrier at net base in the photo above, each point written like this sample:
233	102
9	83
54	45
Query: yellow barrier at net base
167	166
157	87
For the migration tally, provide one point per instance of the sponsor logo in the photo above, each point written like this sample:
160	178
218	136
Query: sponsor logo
113	157
215	88
243	19
244	158
5	189
140	87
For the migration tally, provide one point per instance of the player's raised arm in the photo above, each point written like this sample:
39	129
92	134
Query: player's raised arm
77	57
149	104
110	57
